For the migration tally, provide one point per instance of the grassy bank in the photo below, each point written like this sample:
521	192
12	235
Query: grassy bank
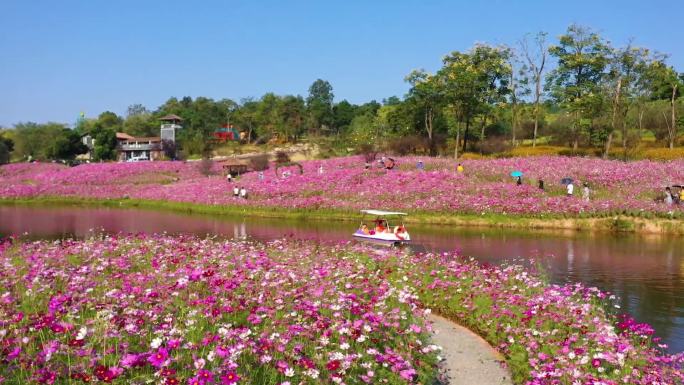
606	223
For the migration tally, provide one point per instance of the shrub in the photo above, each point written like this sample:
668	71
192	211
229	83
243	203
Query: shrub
534	151
409	144
496	144
368	151
282	157
662	153
259	162
206	166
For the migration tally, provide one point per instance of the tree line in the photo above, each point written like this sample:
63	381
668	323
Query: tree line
579	91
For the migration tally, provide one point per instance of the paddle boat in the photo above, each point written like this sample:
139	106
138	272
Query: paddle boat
381	230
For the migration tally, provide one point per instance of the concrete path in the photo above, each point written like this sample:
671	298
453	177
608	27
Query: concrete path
468	359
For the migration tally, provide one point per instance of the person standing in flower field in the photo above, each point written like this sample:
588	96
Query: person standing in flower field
459	168
585	192
668	196
236	191
541	184
519	181
420	166
243	192
570	189
320	170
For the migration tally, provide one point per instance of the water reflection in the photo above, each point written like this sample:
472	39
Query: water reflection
646	272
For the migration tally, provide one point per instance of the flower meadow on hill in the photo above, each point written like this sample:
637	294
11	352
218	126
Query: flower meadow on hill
171	310
484	187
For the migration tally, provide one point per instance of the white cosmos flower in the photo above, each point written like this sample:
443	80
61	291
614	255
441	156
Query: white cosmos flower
156	343
313	373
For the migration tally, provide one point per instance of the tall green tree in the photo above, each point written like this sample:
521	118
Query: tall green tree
627	67
427	93
110	120
246	116
667	84
576	82
140	122
518	88
473	82
319	104
343	113
292	115
6	147
105	143
535	54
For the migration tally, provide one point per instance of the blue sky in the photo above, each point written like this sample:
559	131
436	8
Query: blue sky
58	58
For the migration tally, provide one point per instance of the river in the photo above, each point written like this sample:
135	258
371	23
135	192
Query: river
645	272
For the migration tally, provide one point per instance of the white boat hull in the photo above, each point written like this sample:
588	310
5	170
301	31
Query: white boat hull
384	237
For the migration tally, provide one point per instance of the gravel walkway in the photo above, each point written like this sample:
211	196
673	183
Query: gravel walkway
468	359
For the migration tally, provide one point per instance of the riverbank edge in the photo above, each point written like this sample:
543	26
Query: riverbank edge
612	223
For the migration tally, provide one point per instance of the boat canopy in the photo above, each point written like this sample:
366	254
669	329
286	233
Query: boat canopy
382	213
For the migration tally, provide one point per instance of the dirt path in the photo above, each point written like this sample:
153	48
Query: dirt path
468	359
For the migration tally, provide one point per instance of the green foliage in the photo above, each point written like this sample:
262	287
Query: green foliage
105	144
6	147
343	114
319	104
474	83
364	129
576	82
50	141
65	146
140	122
4	153
201	117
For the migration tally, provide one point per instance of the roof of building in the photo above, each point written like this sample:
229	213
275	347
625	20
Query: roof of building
145	139
232	162
123	136
171	117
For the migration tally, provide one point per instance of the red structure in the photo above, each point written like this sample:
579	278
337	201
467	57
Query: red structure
226	133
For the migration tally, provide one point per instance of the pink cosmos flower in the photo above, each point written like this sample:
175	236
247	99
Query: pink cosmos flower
158	358
229	378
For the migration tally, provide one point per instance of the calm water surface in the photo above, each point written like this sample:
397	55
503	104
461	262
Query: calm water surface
646	272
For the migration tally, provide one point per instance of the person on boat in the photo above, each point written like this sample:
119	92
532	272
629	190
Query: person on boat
459	168
364	229
236	191
379	228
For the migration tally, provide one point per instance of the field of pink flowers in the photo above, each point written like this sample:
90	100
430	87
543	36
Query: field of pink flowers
171	310
484	187
184	310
